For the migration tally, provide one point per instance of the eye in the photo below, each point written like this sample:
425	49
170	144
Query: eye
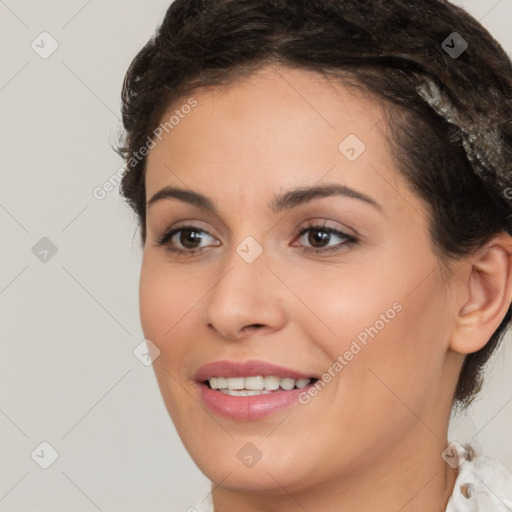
184	239
319	237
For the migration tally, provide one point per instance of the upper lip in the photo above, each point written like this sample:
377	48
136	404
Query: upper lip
250	368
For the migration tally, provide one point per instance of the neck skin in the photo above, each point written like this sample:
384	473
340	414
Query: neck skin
411	477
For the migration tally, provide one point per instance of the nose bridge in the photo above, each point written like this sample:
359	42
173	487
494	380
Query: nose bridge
245	275
245	293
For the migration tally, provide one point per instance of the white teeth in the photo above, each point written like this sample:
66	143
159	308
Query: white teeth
271	383
235	383
245	392
254	383
302	383
257	385
287	384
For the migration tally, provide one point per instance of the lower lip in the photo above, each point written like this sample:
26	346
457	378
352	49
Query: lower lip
249	408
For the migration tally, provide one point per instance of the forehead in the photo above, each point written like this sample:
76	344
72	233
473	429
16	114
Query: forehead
269	131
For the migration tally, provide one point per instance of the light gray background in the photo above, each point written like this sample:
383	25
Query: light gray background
69	325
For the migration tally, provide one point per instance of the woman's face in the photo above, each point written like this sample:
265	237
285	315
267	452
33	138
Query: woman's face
369	310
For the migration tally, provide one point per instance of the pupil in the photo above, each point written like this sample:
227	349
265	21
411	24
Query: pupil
318	235
188	237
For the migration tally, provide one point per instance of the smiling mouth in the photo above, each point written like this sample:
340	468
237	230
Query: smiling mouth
255	385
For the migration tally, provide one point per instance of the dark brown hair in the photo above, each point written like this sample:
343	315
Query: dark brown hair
387	48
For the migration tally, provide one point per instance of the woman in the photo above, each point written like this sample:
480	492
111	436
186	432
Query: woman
321	188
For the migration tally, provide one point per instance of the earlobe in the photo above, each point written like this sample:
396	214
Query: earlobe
488	296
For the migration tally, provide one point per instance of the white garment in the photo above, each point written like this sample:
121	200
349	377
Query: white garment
483	484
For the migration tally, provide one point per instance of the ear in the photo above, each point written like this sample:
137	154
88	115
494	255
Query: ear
487	295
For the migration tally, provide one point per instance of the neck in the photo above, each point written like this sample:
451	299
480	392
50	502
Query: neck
407	476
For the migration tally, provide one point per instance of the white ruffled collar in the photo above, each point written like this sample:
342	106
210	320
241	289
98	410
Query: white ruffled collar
483	484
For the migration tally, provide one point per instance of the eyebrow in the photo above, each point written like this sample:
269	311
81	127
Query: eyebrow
287	201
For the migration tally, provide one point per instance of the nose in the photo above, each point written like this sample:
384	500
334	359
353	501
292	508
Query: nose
246	298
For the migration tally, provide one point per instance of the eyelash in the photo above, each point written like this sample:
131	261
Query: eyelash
349	240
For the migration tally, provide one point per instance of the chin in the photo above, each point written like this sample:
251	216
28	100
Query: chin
264	478
227	468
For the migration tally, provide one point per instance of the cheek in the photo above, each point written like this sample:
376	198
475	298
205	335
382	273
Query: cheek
389	366
345	305
401	358
381	324
166	297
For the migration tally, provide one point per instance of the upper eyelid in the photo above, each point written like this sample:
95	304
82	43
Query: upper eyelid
313	224
312	219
